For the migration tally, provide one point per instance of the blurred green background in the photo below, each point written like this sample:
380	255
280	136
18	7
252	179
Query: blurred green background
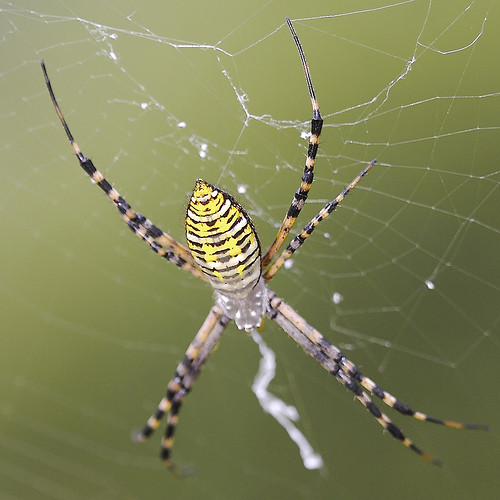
93	324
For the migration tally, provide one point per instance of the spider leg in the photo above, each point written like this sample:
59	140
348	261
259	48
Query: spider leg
187	371
350	368
300	196
352	371
161	243
298	241
333	360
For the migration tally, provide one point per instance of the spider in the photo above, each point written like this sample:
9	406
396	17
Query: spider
223	249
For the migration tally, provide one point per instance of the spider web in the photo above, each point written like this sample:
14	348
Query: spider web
404	277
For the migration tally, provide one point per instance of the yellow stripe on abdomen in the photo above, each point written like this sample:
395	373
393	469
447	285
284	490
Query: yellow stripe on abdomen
223	241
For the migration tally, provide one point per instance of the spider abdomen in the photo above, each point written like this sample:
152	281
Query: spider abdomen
221	237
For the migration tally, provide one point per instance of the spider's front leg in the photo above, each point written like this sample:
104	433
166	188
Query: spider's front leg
346	372
187	371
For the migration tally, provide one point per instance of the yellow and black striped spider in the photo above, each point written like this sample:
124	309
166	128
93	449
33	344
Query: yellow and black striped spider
223	249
